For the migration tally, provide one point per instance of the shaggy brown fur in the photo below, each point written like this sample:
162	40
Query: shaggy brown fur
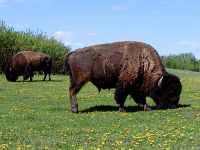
133	68
26	62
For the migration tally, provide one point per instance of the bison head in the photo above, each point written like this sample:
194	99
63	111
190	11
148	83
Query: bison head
167	93
10	74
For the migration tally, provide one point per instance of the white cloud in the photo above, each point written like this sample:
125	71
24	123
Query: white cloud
20	1
68	38
74	45
157	12
119	7
78	44
91	34
3	3
173	2
64	35
189	44
35	1
71	38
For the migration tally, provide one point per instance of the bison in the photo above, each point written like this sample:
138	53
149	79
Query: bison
25	63
132	68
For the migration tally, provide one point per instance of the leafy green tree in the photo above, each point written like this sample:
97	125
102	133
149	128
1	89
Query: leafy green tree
184	61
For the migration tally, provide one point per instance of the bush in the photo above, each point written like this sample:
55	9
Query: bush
12	41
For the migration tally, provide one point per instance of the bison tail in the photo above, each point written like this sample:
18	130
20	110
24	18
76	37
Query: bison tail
50	61
66	69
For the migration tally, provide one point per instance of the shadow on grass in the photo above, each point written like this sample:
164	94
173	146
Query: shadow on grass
109	108
106	108
183	106
40	81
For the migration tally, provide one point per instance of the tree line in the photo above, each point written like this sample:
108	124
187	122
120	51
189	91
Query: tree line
12	41
184	61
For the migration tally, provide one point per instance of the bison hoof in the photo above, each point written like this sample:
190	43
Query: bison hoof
122	109
146	108
74	109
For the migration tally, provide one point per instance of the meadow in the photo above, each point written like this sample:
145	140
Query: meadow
36	115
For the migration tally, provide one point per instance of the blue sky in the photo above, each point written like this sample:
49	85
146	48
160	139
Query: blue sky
170	26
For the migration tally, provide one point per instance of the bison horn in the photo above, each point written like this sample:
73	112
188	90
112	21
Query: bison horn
10	69
159	82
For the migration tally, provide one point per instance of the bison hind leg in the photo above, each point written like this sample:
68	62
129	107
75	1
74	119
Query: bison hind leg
73	90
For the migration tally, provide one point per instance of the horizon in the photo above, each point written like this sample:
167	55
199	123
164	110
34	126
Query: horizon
170	26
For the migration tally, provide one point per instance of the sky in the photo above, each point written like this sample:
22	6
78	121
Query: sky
170	26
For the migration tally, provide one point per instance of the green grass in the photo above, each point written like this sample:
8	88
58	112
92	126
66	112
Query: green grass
36	115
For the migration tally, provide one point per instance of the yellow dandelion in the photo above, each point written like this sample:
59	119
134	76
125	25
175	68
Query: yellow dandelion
135	145
3	146
19	147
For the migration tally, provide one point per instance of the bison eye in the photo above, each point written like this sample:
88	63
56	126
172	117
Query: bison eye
171	94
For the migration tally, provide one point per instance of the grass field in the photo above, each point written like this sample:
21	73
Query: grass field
36	115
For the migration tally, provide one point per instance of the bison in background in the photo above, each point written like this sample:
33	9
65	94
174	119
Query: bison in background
25	63
132	68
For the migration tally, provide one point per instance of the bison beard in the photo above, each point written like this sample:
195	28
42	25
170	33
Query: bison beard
25	63
132	68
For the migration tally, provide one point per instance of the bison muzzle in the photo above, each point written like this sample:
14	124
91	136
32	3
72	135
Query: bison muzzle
132	68
25	63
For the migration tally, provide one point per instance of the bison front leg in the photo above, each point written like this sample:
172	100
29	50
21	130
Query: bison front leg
146	107
120	97
45	75
26	75
49	76
31	76
141	100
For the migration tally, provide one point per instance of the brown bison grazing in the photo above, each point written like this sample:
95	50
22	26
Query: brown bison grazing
132	68
25	63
